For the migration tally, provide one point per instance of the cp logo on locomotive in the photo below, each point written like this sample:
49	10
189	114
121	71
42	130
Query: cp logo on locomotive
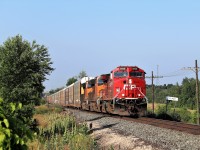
129	86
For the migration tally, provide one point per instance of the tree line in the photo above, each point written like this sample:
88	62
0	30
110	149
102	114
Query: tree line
70	81
186	92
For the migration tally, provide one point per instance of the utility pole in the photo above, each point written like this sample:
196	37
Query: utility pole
196	70
152	84
152	91
197	90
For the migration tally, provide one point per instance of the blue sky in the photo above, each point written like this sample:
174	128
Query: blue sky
99	35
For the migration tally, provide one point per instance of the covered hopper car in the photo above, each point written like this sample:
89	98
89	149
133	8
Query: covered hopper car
122	92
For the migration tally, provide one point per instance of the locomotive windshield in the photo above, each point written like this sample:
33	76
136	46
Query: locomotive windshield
120	74
135	74
100	82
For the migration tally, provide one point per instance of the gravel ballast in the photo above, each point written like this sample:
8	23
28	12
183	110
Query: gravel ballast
158	138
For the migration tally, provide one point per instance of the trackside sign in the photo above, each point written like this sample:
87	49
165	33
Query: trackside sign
168	98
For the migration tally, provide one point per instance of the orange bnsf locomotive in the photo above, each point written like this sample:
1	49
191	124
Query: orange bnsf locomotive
120	92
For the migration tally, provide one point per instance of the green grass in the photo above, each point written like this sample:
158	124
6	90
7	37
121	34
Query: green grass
60	132
180	114
43	109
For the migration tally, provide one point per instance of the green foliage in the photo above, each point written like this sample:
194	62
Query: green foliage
14	134
188	92
43	109
71	81
82	74
194	117
63	132
56	90
179	114
185	92
187	99
80	141
42	101
23	69
161	110
185	115
162	114
76	78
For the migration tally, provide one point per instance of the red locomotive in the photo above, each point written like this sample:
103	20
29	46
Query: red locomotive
120	92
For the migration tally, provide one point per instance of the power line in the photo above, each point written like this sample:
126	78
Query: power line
154	77
179	72
176	73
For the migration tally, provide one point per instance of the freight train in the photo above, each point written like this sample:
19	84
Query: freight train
121	92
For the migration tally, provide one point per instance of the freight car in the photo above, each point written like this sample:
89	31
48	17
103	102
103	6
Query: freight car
120	92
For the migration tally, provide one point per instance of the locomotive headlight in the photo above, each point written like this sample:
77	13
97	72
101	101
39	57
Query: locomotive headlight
122	94
139	95
117	90
130	81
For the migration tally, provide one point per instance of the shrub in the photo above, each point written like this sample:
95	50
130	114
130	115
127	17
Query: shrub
62	132
14	134
81	141
43	109
185	115
193	117
150	114
170	115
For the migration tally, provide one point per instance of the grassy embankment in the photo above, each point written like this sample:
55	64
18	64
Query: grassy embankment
60	131
179	114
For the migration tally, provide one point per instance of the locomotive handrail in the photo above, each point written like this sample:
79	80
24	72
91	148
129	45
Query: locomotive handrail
143	94
117	94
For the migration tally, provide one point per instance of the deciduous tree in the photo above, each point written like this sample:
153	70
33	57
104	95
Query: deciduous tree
82	74
23	69
71	80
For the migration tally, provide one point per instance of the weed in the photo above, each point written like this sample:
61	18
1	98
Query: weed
60	131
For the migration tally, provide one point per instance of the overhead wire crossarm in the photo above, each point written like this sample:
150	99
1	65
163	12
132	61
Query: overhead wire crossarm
179	72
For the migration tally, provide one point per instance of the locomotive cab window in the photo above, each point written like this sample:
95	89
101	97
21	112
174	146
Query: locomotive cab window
136	74
91	83
100	82
120	74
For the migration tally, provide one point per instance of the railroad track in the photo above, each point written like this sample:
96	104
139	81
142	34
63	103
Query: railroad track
173	125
